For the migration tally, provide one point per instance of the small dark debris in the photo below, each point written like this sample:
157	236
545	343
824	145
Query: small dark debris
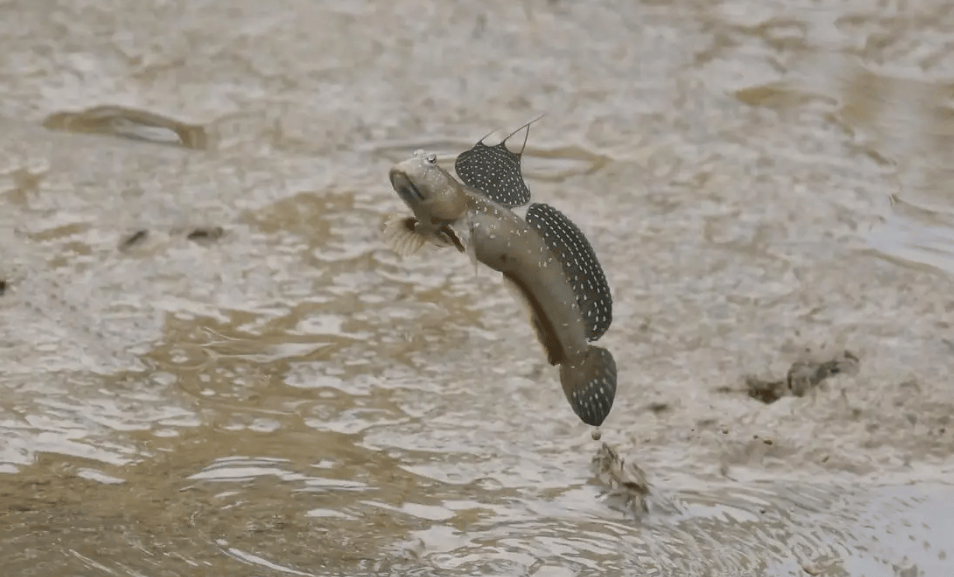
658	407
133	239
206	234
3	287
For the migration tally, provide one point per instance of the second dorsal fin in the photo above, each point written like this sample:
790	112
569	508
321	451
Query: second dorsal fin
580	265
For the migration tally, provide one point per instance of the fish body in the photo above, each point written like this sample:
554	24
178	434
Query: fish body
540	258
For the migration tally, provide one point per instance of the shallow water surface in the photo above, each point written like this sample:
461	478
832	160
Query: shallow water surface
210	362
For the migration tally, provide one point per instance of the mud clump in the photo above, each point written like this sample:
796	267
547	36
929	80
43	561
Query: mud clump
133	239
201	235
765	391
625	483
205	234
804	375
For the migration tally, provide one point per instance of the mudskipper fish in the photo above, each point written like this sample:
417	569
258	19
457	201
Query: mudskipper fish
545	258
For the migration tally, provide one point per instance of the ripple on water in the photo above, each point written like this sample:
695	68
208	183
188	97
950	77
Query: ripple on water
731	530
77	417
902	123
917	237
129	123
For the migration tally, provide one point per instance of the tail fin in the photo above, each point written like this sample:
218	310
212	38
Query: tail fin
590	386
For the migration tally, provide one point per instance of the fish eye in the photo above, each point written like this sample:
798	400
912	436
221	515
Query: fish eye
430	157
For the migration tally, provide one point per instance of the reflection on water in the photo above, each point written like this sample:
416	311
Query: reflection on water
211	363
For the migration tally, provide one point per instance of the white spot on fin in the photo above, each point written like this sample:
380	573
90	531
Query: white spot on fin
580	265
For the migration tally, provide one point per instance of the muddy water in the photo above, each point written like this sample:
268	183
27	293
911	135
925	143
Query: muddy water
211	364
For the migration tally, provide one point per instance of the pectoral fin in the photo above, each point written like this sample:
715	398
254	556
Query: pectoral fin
401	235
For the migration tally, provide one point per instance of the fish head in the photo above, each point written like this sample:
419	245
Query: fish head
427	189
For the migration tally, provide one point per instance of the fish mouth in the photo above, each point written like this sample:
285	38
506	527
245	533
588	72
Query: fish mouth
405	188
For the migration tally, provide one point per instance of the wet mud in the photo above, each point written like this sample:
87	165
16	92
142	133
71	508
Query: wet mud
805	374
211	363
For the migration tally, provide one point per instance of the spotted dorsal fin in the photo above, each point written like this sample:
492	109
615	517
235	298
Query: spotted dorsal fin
495	170
580	266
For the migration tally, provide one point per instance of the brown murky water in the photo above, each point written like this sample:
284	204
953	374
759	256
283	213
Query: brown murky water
211	364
